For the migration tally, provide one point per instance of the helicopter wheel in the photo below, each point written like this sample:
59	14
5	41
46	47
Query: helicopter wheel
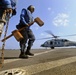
52	47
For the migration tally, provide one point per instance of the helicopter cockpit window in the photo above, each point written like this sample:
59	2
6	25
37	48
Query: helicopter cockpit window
46	43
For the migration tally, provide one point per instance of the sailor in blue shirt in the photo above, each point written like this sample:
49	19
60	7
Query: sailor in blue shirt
8	6
25	19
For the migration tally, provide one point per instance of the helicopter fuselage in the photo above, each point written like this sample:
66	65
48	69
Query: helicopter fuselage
58	43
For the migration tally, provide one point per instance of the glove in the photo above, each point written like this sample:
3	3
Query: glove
27	25
14	12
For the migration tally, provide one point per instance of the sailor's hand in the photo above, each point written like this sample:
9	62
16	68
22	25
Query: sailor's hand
14	12
27	25
32	23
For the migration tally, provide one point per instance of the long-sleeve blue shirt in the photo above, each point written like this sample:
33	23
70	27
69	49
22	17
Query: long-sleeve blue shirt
26	17
13	4
8	4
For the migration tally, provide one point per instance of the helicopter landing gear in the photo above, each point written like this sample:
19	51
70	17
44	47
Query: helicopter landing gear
52	47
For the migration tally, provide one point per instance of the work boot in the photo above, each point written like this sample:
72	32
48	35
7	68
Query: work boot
29	53
22	55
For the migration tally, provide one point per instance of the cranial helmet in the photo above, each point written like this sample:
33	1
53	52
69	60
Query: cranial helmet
31	7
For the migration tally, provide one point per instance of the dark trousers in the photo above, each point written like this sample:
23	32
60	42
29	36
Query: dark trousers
28	37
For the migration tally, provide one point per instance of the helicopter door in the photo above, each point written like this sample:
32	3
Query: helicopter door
51	43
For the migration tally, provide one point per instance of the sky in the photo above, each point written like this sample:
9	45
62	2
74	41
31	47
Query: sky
59	16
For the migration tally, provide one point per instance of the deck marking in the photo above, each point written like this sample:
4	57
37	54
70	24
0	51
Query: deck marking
33	69
36	54
36	68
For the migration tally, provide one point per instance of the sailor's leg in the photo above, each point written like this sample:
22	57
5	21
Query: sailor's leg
30	42
4	17
2	20
23	45
1	27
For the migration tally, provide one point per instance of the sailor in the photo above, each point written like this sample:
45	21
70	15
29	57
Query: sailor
25	19
6	7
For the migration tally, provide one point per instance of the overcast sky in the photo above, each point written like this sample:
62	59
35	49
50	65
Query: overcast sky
59	16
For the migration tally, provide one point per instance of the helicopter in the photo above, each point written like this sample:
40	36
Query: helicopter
57	42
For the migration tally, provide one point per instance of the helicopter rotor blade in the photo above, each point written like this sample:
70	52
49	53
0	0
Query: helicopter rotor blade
49	32
44	38
56	37
68	35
